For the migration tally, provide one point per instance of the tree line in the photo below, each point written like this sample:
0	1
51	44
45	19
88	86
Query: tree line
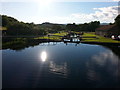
15	27
86	27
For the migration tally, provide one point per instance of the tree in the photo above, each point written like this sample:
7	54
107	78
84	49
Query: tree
72	27
93	25
89	27
56	28
14	27
7	21
117	20
111	23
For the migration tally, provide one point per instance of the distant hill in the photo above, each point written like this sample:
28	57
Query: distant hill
104	23
50	24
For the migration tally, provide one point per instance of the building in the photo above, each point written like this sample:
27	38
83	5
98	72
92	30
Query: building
108	30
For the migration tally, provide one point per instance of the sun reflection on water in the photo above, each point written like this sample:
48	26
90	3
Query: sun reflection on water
43	56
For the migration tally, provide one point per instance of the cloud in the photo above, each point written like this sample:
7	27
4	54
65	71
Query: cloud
104	15
116	0
104	60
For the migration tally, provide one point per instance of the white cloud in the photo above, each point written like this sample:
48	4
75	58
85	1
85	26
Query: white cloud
116	0
106	60
104	15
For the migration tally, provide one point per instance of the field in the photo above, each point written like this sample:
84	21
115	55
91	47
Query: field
91	37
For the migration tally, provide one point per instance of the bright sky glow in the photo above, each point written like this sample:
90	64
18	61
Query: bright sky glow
44	3
41	11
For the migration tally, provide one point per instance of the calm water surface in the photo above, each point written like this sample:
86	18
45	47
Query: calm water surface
60	65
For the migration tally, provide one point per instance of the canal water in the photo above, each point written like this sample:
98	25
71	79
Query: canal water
59	65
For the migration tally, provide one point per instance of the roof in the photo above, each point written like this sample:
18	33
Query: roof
105	27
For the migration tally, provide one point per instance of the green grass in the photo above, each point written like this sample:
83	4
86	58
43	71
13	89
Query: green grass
60	34
97	39
56	37
89	35
51	38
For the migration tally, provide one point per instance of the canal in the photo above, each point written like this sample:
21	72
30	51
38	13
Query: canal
61	65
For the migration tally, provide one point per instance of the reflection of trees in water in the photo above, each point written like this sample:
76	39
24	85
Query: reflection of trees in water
103	67
60	69
19	44
22	43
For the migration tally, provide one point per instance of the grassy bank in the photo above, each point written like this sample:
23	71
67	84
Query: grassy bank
87	37
97	39
25	42
55	36
15	42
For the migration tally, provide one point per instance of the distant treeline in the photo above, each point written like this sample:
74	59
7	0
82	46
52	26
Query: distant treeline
15	27
86	27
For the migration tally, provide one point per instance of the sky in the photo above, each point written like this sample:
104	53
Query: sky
62	12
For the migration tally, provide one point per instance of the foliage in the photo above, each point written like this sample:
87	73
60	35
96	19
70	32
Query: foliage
56	28
15	27
8	21
117	20
83	27
72	27
89	27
